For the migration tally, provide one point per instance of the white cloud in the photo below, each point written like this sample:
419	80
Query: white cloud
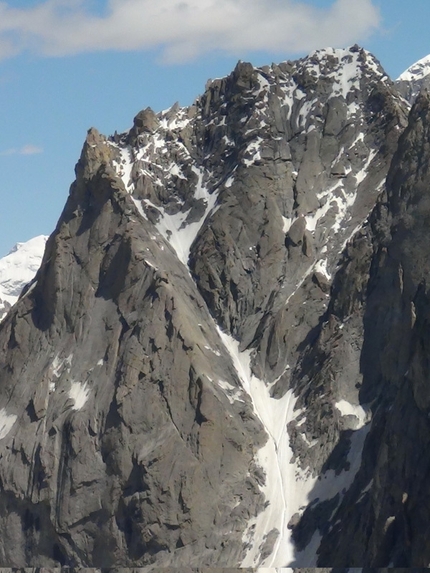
184	29
28	149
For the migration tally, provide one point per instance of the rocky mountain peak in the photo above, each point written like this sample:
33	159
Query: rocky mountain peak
195	372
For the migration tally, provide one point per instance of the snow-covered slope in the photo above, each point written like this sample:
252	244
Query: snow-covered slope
417	71
17	269
414	79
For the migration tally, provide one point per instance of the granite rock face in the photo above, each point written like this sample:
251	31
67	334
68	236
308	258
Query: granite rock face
384	513
126	447
214	364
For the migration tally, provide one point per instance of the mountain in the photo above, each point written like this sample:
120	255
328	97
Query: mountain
380	294
222	360
17	269
414	79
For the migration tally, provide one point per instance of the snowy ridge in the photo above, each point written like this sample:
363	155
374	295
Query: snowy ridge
417	71
414	79
344	70
162	159
18	268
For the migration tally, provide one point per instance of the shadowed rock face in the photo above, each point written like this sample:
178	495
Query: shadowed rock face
129	430
379	311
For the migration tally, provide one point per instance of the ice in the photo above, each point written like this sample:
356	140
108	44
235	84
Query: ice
6	422
78	393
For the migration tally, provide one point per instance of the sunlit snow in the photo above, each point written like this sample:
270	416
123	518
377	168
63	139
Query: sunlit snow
19	267
288	488
79	394
6	422
347	409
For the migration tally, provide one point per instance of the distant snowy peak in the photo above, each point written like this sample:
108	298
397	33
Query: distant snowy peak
414	79
17	269
417	71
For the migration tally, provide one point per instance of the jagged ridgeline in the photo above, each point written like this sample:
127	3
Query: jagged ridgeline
222	361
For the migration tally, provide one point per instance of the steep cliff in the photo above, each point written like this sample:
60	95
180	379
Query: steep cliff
382	520
189	380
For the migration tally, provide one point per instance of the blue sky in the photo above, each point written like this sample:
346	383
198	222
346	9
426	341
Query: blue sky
67	65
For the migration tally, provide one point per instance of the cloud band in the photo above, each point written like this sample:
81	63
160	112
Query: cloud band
185	29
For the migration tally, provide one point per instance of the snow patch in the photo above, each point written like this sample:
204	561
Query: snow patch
347	409
124	167
216	352
274	458
79	394
174	227
233	394
321	267
139	207
6	422
288	488
252	152
286	224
